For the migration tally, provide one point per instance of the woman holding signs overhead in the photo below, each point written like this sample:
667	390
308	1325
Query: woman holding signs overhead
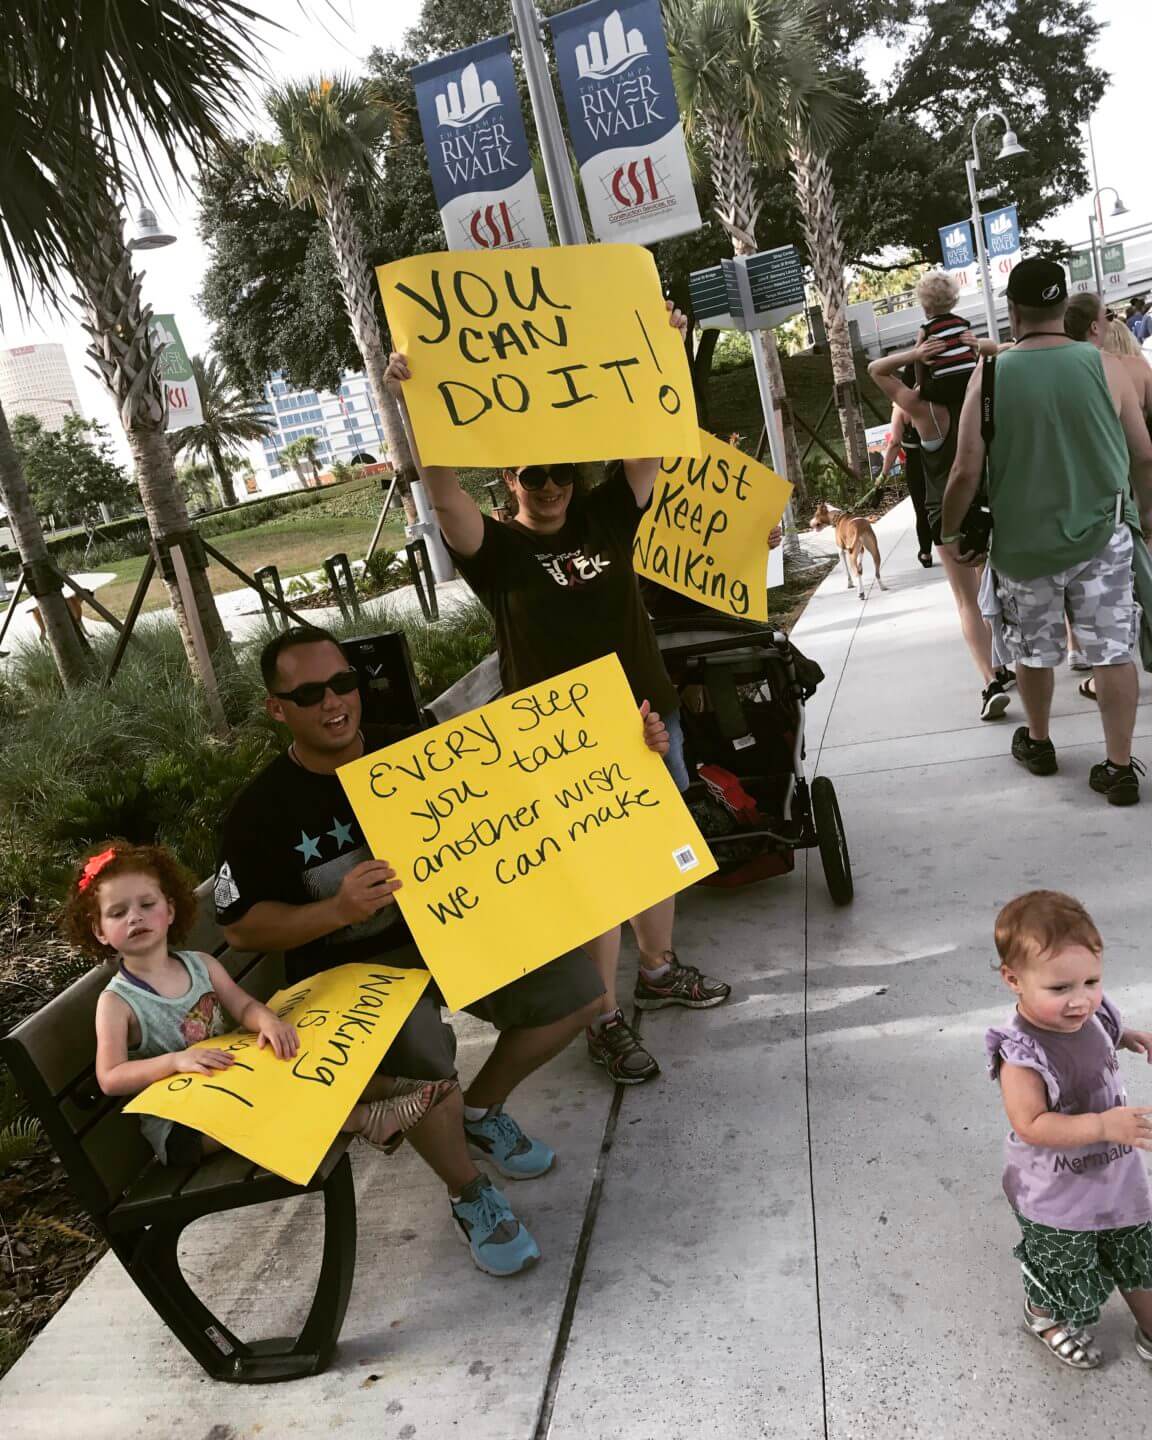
559	583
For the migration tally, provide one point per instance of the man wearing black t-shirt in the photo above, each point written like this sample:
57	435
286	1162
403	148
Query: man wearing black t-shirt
559	583
296	874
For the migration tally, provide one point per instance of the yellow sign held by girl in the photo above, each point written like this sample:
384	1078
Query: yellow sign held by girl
284	1114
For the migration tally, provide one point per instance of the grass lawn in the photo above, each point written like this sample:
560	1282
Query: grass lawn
295	543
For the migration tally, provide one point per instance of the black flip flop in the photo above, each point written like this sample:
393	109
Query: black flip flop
1087	689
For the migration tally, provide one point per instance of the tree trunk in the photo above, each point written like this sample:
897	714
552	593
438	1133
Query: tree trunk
737	207
223	475
826	253
357	283
168	515
64	639
702	372
125	357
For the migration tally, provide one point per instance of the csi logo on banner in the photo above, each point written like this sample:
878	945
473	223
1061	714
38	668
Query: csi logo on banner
182	398
623	120
477	149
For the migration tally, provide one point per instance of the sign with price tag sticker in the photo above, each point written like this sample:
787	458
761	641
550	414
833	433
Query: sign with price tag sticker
526	828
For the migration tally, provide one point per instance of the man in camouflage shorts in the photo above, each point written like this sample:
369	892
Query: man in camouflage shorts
1069	466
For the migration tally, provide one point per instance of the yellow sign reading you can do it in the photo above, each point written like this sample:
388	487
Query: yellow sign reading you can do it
538	356
525	828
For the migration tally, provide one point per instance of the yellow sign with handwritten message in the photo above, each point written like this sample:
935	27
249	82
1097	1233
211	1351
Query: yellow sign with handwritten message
705	535
525	828
284	1114
528	357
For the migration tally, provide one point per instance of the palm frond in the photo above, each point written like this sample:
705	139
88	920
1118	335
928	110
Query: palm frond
155	78
329	129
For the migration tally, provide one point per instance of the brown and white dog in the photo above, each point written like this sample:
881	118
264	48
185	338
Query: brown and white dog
854	535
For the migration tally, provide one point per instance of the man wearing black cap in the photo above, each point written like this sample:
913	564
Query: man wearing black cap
1067	441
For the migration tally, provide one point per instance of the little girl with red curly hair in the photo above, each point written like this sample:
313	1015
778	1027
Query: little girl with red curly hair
127	904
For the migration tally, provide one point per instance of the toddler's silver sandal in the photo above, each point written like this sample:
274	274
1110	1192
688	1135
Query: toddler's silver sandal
1074	1348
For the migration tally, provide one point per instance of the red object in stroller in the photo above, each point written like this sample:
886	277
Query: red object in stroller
742	690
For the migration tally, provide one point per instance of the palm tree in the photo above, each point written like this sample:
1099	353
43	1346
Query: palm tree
230	419
160	74
328	134
748	78
817	197
196	481
126	354
293	454
310	451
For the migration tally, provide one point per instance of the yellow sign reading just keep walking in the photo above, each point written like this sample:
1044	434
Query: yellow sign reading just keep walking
284	1114
524	357
525	828
705	534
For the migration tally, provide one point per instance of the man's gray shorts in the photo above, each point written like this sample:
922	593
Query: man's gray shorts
1095	597
425	1048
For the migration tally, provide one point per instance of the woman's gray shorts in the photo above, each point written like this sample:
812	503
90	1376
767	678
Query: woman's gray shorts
425	1048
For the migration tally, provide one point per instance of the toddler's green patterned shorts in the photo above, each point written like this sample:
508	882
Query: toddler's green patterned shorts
1072	1272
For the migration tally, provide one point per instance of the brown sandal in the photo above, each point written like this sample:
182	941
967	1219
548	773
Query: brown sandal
407	1110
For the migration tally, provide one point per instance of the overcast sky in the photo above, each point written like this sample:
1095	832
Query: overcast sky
329	35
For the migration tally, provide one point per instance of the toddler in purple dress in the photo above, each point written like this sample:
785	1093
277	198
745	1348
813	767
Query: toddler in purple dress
1073	1172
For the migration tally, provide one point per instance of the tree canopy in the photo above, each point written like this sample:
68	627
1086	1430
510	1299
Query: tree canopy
898	171
70	471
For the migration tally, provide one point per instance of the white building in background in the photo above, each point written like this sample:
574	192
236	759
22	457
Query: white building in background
37	380
345	423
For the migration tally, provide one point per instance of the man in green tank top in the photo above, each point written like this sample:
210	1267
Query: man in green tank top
1068	451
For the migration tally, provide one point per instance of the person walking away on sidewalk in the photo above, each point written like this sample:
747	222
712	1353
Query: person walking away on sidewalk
903	436
1068	436
937	425
1073	1172
1088	319
559	583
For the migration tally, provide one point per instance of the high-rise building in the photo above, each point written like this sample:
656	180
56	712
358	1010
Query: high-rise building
37	380
345	424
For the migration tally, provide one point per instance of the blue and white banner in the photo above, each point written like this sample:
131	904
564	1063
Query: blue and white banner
623	120
956	246
1002	238
477	149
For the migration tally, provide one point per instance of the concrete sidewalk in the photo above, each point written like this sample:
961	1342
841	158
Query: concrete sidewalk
798	1230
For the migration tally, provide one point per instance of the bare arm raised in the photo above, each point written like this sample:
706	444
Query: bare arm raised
457	513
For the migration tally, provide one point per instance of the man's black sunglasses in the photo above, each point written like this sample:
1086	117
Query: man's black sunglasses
312	691
535	477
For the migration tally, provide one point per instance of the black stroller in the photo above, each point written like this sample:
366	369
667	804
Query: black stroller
742	691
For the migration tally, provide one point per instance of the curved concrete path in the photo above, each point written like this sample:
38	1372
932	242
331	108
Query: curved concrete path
797	1232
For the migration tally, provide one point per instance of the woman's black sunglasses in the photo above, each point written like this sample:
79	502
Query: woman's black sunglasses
535	477
312	691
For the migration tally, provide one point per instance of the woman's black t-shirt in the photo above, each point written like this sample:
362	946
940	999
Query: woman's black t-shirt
564	599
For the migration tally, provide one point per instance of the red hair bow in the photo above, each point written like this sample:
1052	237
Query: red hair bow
94	867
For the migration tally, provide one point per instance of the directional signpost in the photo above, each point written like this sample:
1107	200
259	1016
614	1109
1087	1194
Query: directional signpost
753	293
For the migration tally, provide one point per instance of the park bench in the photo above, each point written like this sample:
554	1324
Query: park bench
142	1207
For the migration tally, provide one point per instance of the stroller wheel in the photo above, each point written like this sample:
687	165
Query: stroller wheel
831	839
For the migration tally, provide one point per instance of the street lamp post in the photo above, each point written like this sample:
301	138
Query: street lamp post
1009	146
1096	230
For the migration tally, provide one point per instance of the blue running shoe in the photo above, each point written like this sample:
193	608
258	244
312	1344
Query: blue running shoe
497	1138
500	1245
